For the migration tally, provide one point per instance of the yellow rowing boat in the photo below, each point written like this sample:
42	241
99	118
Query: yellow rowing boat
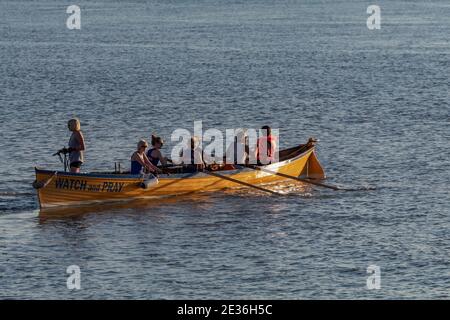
58	188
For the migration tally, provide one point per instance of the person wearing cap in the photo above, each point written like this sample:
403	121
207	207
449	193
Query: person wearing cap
154	154
139	160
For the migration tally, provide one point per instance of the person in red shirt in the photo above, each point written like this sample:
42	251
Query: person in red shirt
267	146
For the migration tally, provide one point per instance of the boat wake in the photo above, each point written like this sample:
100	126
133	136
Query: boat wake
15	194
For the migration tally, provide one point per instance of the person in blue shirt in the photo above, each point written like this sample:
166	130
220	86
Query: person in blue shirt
140	162
154	154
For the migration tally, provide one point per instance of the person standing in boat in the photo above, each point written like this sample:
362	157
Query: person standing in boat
76	145
140	162
154	154
266	147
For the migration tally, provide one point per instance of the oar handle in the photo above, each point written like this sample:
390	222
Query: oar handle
63	151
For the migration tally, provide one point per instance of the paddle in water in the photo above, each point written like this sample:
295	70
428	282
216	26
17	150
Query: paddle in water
316	183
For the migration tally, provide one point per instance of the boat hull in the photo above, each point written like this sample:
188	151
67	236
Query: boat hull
71	189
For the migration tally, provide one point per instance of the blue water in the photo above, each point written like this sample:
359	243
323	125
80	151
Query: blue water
377	100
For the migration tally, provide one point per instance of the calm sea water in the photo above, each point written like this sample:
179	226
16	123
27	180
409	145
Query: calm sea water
377	100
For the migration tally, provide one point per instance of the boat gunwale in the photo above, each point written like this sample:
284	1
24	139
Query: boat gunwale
196	175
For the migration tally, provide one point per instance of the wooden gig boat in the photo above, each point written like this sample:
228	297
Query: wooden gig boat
59	188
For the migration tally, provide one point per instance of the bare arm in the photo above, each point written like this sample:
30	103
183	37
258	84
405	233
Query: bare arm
150	165
81	140
160	157
135	157
256	150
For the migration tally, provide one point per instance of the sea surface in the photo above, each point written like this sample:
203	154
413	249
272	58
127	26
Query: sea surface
378	100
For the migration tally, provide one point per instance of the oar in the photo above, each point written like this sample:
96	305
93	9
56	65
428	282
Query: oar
294	178
240	182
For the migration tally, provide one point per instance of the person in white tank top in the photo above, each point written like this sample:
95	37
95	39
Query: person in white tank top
76	146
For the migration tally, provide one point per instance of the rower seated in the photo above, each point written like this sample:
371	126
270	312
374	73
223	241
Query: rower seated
266	147
139	161
238	151
154	154
196	162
